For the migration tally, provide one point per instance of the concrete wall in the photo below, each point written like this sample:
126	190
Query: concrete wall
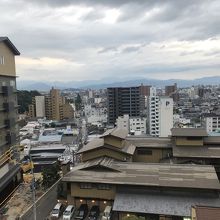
183	141
157	155
93	193
8	68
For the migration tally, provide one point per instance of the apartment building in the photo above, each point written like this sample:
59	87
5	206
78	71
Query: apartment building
171	91
9	170
160	114
126	100
52	106
134	125
212	122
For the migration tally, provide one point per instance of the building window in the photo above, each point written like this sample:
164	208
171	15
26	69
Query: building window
2	60
85	185
103	186
144	151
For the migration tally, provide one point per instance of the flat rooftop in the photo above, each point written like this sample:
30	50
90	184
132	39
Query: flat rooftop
142	174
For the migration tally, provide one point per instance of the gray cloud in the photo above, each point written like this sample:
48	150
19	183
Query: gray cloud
56	29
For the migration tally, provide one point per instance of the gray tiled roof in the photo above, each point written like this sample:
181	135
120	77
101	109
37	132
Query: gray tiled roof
149	142
161	204
116	132
97	143
142	174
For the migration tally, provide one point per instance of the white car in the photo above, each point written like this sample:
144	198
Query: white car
68	213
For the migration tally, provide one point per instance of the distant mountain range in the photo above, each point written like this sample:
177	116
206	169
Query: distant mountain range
101	84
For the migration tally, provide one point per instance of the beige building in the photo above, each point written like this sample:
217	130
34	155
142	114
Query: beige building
9	169
52	106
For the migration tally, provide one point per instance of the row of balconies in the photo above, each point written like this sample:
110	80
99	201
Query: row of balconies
8	107
8	123
7	90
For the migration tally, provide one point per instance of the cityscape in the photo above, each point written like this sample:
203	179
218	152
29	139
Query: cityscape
114	134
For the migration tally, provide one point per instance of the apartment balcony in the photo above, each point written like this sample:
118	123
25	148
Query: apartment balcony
11	138
7	90
9	123
8	106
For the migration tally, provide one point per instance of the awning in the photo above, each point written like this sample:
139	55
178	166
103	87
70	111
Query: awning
160	204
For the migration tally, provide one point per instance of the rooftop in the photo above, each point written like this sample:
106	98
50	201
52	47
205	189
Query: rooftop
151	142
10	45
116	132
142	174
177	205
96	143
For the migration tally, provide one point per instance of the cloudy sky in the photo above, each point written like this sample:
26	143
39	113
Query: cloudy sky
74	40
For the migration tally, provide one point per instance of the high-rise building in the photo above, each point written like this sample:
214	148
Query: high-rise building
160	115
10	174
171	91
126	101
52	106
40	106
212	122
122	101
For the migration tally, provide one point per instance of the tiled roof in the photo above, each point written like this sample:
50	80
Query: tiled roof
142	174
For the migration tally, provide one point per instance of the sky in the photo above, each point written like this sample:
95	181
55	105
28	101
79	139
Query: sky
72	40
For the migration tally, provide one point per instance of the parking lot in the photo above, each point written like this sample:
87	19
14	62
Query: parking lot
86	218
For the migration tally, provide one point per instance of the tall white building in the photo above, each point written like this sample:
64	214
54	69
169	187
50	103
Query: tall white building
134	125
160	114
165	116
212	123
40	106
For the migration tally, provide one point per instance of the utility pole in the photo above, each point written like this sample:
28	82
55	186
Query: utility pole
33	186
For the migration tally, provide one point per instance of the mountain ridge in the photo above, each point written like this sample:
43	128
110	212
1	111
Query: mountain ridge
101	84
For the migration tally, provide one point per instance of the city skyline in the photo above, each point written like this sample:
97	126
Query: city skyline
63	41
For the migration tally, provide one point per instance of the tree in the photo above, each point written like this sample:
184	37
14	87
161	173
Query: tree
50	176
25	99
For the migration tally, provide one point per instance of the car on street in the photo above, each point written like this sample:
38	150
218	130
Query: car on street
82	212
69	212
57	211
94	213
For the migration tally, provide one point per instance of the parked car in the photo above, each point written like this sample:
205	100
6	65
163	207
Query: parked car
57	211
94	213
82	212
107	213
68	213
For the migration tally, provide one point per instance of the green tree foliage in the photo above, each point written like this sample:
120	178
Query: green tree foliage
50	176
25	99
78	102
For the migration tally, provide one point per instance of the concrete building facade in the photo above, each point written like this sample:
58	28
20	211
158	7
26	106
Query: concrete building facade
10	174
40	106
212	123
126	100
160	115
